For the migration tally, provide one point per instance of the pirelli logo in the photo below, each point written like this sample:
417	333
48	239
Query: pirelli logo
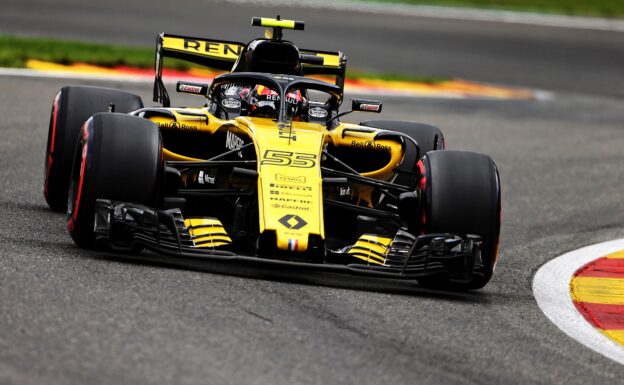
202	47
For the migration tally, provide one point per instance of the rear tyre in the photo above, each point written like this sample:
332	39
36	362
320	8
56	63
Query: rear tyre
72	107
429	138
462	195
118	157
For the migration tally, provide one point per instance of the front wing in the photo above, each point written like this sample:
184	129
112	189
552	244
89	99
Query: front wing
126	227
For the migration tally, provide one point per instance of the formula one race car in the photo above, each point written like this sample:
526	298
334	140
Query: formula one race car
267	173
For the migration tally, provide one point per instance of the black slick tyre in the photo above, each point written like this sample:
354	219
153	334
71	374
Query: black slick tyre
462	195
118	157
71	108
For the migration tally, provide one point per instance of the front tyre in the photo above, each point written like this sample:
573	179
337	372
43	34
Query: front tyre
462	195
118	157
71	108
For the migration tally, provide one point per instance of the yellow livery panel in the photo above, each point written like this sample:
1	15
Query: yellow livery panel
289	182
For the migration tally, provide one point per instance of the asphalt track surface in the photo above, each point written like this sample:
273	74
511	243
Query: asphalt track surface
70	317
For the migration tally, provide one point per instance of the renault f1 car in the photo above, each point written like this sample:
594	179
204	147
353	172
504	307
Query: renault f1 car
267	173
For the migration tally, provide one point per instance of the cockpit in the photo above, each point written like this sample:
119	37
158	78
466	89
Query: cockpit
283	98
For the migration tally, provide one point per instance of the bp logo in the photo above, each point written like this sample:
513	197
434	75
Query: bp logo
293	222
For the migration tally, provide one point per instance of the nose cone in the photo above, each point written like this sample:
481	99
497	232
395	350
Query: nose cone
289	184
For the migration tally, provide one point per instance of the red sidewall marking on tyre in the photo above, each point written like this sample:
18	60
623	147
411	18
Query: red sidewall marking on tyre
423	186
85	137
52	140
56	103
573	308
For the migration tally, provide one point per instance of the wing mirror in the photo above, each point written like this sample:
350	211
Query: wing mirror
192	88
361	105
364	105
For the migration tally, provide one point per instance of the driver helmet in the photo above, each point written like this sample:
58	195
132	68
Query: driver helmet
264	102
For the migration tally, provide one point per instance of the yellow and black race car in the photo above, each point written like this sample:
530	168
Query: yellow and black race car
266	173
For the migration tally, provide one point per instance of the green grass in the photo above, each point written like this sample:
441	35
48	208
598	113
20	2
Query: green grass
601	8
16	50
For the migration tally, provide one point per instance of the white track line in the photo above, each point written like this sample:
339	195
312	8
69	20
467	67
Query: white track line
551	287
486	15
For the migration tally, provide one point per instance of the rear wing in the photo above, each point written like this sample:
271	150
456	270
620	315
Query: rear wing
218	54
222	55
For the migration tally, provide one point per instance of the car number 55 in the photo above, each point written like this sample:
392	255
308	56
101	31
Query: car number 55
288	158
